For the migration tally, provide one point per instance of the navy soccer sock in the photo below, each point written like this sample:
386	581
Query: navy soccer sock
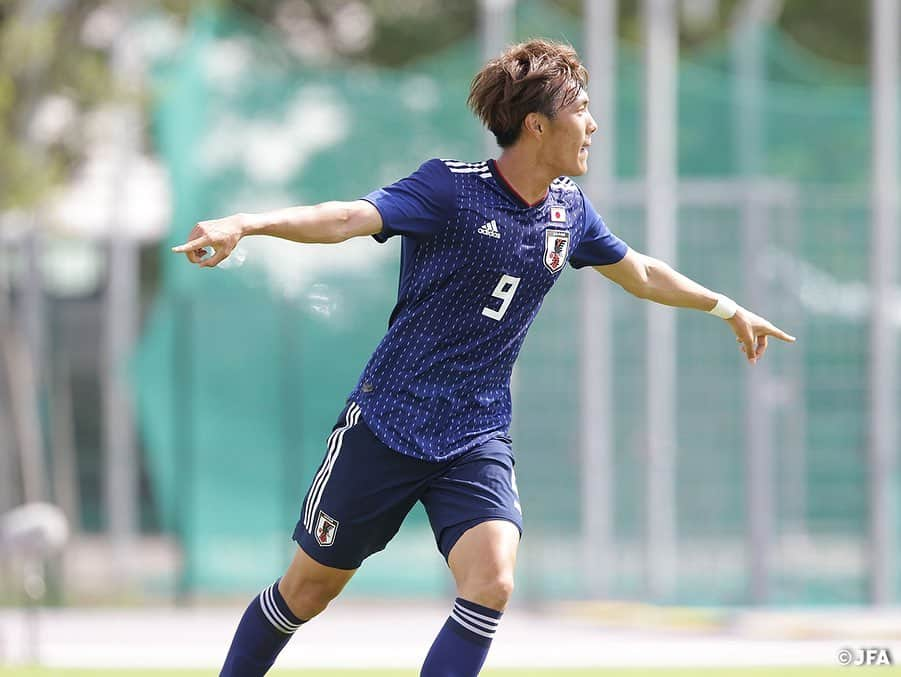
462	645
265	628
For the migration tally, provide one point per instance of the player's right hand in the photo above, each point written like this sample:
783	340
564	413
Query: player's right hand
222	235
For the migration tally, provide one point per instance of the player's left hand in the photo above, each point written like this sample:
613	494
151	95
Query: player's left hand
751	332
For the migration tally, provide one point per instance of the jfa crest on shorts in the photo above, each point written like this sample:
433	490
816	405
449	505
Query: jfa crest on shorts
326	530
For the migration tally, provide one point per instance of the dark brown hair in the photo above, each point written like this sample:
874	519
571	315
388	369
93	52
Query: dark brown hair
538	76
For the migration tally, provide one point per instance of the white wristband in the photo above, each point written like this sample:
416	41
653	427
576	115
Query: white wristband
725	307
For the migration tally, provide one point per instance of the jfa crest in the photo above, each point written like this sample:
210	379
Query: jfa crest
556	246
326	528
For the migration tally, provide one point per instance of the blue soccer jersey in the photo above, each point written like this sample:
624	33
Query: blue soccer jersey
476	262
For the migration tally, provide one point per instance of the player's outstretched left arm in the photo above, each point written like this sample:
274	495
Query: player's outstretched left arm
652	279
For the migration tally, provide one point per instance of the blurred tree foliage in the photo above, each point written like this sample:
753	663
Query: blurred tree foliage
44	63
55	62
836	30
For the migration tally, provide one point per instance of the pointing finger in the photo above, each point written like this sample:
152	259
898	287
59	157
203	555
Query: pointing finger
198	243
779	334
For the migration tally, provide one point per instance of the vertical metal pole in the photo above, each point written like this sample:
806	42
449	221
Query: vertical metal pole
596	417
661	63
748	131
884	405
748	53
747	50
121	472
12	485
794	491
497	19
27	374
65	458
758	414
9	487
18	358
33	311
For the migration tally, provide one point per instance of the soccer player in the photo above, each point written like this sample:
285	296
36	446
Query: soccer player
482	243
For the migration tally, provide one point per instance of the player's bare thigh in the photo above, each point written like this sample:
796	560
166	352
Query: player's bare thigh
482	563
309	586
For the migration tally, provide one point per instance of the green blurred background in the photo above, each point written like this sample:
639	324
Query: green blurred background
188	111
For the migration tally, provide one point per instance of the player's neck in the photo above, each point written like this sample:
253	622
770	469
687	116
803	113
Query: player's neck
522	173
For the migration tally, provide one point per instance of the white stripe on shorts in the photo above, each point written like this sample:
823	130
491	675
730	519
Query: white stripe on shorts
324	469
353	415
319	474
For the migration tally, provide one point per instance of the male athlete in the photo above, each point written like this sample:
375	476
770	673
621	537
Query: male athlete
482	243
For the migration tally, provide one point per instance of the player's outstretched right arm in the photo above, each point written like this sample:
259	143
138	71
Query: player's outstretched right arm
325	223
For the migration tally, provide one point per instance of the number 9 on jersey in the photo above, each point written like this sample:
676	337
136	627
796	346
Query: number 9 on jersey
504	291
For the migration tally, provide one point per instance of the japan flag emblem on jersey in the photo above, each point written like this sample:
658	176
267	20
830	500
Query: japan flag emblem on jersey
558	215
556	246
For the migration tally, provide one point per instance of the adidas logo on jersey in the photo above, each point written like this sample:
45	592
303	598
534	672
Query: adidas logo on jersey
490	229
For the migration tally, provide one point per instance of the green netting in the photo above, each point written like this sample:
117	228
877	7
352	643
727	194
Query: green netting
242	372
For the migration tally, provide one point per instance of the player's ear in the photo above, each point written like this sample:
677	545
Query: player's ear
534	124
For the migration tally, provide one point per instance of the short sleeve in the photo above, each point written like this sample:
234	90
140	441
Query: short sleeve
418	205
598	246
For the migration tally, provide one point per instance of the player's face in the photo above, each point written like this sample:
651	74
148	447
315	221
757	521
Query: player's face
566	146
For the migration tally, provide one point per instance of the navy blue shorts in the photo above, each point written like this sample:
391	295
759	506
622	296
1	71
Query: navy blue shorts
363	491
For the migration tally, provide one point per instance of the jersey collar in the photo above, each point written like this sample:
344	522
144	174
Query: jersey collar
510	190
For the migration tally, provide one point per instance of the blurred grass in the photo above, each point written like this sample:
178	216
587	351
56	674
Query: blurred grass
550	672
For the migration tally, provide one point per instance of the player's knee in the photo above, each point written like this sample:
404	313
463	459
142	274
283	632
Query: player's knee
493	591
309	598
